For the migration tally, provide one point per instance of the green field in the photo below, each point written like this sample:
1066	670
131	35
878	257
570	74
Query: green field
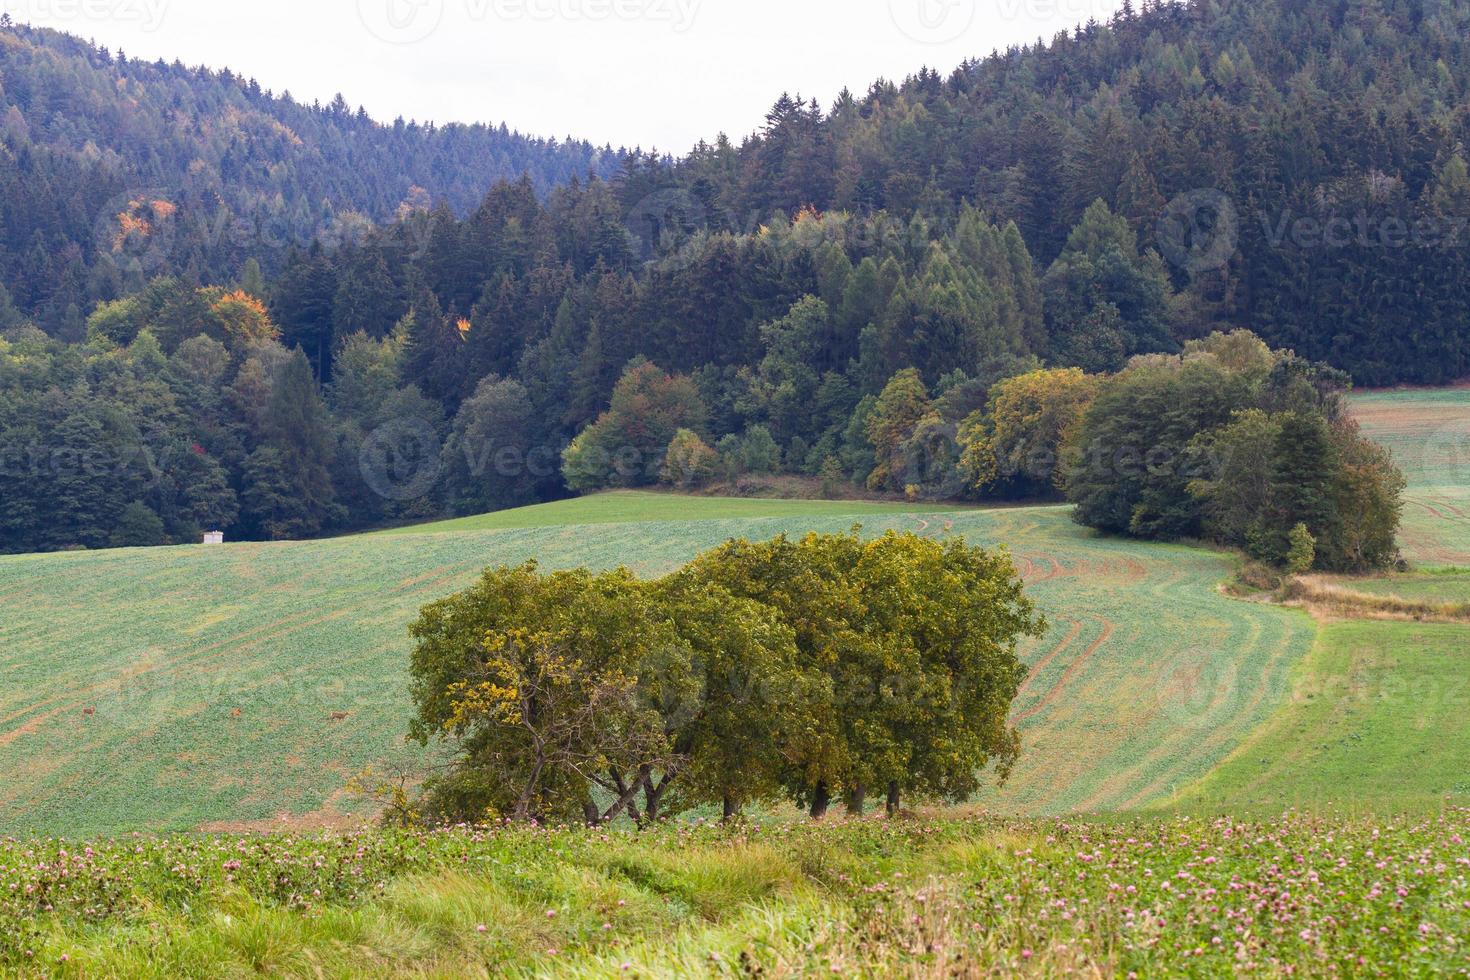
1379	714
634	507
1377	721
1428	432
1444	585
195	688
191	688
1149	677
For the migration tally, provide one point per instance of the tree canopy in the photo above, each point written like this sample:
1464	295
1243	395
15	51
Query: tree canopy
830	665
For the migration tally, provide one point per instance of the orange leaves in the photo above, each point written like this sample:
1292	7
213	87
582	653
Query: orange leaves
241	316
139	219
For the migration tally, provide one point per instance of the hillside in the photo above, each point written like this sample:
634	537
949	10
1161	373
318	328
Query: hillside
1300	165
1376	715
1148	678
1375	723
955	232
91	139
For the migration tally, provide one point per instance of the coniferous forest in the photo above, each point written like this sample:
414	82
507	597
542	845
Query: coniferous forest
226	309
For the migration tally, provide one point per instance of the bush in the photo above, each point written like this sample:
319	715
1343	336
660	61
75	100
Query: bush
690	462
1303	552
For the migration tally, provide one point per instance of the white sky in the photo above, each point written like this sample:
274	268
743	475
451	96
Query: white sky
630	72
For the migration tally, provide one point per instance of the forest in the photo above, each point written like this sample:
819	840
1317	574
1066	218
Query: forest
115	169
836	296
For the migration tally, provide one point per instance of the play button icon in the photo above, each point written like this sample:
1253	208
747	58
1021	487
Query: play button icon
401	21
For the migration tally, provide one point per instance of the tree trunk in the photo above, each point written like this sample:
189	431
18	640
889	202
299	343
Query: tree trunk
894	798
654	793
523	805
626	795
731	809
821	800
857	800
590	814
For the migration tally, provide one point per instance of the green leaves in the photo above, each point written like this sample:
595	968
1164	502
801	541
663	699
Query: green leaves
830	662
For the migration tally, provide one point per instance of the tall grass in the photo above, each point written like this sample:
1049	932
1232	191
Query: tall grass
938	896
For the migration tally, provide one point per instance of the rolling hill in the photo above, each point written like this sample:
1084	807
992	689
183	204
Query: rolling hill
1376	718
195	687
186	688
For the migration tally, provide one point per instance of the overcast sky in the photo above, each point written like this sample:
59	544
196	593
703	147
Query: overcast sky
630	72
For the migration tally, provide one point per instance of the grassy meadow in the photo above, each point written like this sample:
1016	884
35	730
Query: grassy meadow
195	688
1376	722
643	507
1246	769
926	897
1428	432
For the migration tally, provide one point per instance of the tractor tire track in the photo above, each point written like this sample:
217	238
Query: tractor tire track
1073	669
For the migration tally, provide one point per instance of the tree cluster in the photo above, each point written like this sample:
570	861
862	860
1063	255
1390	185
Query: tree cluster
814	670
1238	444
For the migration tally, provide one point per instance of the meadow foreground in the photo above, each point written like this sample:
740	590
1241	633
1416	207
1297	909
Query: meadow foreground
960	895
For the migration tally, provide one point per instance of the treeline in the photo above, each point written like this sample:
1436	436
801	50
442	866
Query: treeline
814	670
203	421
1296	166
835	299
114	170
487	396
184	411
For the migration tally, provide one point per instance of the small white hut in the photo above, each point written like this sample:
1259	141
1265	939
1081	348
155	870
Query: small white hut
214	537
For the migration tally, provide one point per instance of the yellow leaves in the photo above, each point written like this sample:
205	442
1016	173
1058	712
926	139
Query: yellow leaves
240	298
241	317
464	326
469	702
